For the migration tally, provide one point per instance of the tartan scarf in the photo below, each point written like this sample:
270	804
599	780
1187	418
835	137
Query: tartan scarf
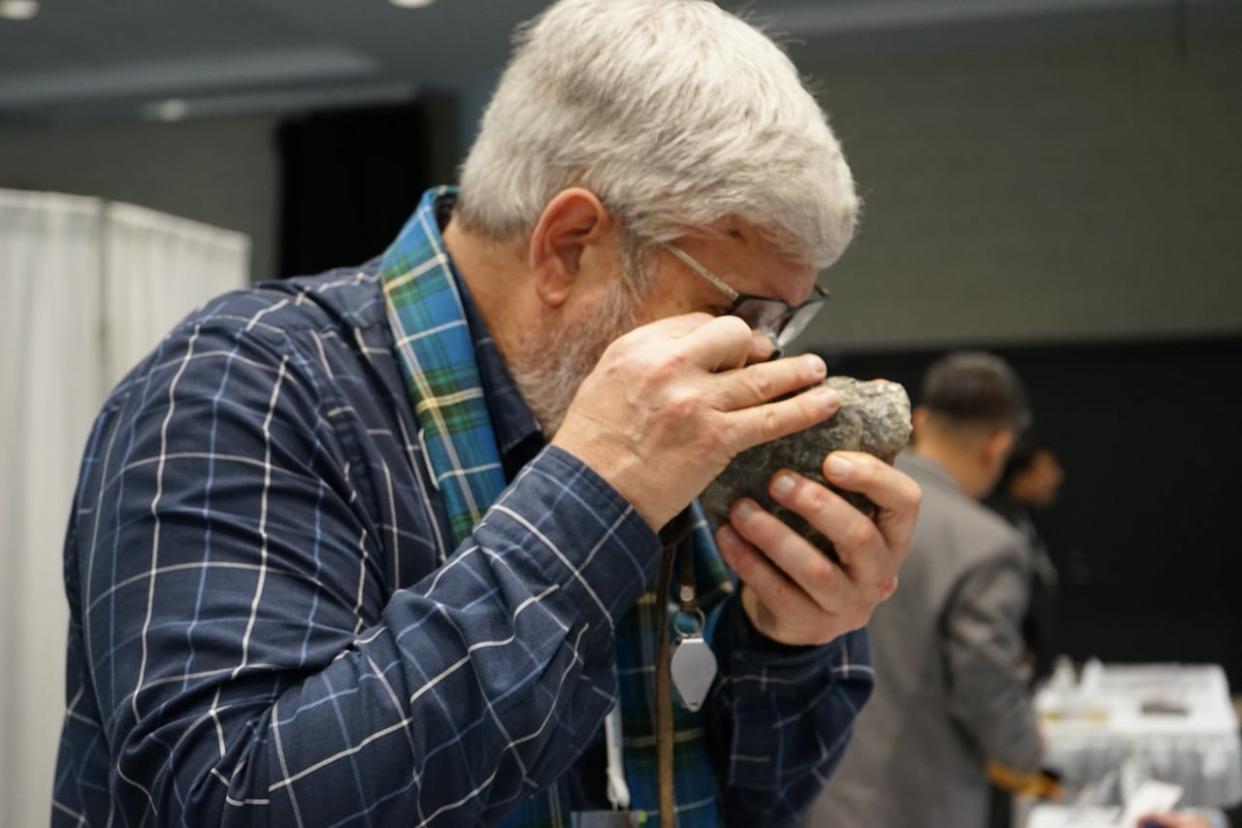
436	351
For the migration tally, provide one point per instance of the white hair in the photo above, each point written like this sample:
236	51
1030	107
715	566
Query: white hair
675	113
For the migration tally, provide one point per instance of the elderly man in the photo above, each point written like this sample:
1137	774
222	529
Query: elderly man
377	546
951	706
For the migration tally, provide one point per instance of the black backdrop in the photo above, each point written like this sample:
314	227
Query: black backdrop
350	179
1148	524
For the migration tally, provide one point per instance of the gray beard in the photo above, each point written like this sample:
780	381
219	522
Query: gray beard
549	376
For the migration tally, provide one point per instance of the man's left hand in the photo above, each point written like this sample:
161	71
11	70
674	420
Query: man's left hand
794	593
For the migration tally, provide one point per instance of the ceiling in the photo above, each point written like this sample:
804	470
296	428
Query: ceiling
120	58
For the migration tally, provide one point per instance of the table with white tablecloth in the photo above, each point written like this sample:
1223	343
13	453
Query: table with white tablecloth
1060	816
1170	722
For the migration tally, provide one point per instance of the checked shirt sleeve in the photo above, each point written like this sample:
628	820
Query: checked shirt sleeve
248	663
780	718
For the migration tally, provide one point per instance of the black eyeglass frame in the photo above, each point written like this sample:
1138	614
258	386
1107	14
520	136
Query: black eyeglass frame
777	319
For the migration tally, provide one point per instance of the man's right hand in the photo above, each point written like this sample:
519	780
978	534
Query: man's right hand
671	403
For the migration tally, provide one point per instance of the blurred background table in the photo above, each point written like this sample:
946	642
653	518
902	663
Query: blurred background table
1058	816
1171	722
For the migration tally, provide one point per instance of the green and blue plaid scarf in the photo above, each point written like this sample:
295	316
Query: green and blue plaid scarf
436	352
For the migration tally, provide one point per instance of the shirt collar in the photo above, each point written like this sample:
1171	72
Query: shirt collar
927	471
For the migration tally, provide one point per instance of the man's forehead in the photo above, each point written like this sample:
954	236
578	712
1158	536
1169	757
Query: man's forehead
760	266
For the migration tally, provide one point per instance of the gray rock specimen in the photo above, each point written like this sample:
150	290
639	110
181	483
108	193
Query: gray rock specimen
874	417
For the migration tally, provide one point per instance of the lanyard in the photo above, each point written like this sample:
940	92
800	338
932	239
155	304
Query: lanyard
686	667
677	539
675	535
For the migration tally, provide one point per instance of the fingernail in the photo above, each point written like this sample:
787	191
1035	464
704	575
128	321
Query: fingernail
828	396
782	484
746	510
727	536
815	365
838	466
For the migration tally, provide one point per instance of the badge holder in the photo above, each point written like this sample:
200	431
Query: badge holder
693	664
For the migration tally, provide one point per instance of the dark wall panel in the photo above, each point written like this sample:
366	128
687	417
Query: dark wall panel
350	178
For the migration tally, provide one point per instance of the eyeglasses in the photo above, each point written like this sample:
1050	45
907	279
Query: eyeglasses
775	318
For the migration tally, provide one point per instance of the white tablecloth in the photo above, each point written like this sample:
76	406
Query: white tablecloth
1055	816
1097	724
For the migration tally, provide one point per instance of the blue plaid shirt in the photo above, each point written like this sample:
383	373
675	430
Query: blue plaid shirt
270	623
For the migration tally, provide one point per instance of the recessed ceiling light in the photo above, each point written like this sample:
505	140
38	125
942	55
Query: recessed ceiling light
173	109
412	4
19	9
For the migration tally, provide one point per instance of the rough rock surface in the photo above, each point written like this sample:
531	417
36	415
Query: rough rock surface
874	417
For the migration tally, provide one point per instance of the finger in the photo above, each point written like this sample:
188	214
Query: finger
816	575
675	327
748	427
894	491
766	381
722	343
762	348
863	549
755	570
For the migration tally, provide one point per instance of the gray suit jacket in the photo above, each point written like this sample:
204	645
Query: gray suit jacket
950	692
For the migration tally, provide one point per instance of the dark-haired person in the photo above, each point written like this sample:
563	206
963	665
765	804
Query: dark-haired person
950	706
1029	484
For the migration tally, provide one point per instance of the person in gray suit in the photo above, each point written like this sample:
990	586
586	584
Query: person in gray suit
950	706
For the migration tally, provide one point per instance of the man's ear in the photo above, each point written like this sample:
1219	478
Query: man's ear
995	449
574	220
918	423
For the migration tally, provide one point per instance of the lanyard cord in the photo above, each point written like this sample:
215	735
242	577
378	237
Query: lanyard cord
617	790
676	536
689	601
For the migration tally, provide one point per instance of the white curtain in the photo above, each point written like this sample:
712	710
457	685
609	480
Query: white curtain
157	268
51	382
86	289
